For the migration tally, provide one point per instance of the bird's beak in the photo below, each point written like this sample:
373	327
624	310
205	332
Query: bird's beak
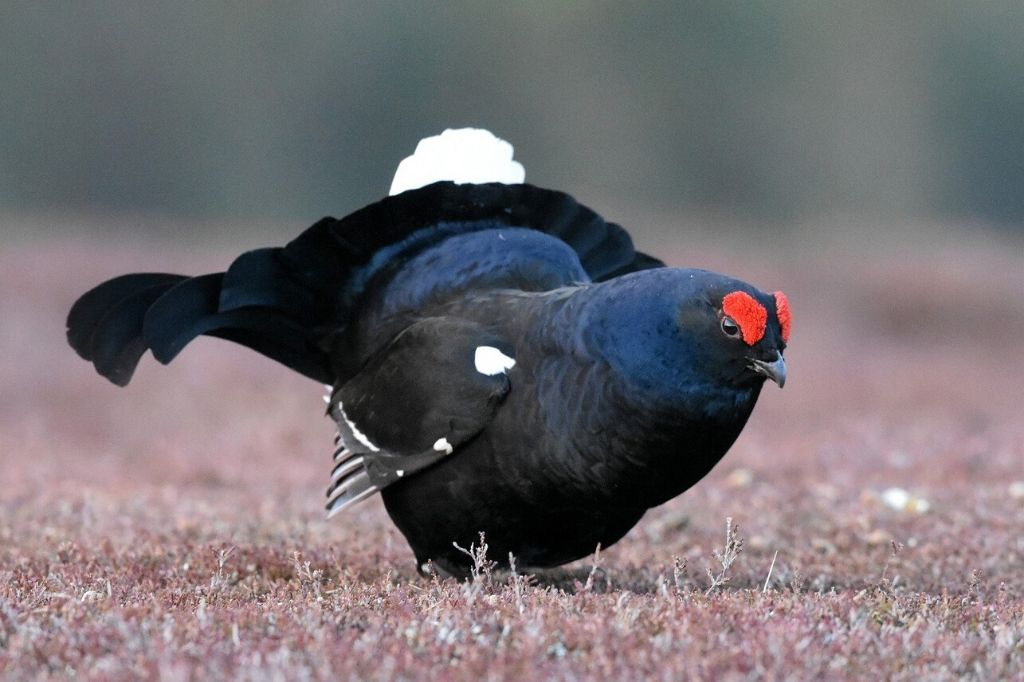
774	370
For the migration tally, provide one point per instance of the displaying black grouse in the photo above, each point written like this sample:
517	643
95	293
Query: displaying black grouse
499	358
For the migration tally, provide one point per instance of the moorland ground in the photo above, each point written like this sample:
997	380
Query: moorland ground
175	528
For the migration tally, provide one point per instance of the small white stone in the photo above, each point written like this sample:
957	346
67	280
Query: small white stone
901	500
491	361
400	472
896	498
442	445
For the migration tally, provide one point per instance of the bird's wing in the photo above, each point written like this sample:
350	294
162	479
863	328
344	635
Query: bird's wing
433	388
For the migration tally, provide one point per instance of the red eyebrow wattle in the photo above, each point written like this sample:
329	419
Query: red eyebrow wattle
750	315
782	312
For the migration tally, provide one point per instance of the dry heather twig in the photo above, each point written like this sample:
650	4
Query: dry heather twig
679	573
589	585
733	547
307	575
897	547
482	566
218	581
770	569
519	583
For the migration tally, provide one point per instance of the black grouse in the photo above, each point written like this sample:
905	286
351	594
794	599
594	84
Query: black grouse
499	358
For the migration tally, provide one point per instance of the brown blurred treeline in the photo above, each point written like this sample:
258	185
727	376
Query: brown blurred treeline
774	111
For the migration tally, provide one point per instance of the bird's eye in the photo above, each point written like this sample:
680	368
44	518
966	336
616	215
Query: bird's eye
730	328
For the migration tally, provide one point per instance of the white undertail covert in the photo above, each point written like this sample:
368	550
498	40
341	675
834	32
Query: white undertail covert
464	155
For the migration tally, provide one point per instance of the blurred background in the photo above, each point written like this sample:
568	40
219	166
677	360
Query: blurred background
758	113
865	157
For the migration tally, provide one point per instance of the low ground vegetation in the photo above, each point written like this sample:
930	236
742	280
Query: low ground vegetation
868	524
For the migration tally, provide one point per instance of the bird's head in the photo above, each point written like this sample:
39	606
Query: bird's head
693	331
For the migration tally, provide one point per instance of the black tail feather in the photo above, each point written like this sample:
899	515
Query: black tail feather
259	278
113	324
118	342
282	302
186	311
283	343
192	308
93	305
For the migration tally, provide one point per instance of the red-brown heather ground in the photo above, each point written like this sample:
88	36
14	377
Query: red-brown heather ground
174	528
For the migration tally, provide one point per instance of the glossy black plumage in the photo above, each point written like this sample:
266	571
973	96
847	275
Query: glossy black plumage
502	360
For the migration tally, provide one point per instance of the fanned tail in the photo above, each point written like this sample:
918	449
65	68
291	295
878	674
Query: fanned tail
283	302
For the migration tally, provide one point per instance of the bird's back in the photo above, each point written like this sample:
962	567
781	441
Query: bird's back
480	275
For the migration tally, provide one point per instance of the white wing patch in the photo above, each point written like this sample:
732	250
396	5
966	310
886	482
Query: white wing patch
360	436
466	155
442	445
490	361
